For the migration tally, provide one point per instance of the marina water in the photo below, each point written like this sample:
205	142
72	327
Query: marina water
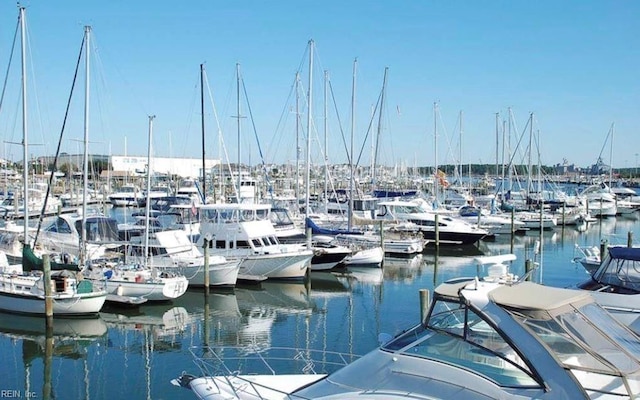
134	354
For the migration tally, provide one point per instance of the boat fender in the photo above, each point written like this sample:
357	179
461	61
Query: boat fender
120	290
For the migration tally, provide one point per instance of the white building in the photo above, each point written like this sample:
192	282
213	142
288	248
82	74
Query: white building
183	167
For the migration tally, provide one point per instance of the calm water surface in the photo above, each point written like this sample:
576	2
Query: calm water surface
135	354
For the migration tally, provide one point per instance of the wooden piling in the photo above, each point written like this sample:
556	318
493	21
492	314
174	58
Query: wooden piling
425	303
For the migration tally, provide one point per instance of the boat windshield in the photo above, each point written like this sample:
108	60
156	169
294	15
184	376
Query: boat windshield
100	229
621	269
600	352
456	335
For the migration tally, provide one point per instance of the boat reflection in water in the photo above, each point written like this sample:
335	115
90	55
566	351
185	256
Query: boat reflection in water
262	305
162	321
402	269
359	275
65	347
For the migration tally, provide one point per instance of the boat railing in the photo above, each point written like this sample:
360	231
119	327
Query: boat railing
228	364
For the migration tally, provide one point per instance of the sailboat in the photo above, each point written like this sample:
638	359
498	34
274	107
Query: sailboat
24	293
138	280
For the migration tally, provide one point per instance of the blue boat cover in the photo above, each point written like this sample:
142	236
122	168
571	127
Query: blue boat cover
316	230
627	253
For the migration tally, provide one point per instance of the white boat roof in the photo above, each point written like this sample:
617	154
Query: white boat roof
532	296
523	295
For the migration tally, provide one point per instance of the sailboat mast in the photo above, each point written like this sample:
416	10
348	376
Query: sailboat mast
497	142
435	152
460	151
529	156
297	174
377	143
204	170
353	128
147	202
25	141
611	155
309	108
326	144
85	166
239	126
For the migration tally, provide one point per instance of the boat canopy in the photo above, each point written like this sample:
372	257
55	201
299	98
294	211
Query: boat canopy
528	297
628	253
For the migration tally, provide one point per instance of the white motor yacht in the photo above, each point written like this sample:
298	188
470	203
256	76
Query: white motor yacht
451	231
244	230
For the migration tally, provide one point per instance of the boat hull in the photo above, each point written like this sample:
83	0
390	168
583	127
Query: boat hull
224	273
368	257
327	258
452	238
89	304
291	265
162	290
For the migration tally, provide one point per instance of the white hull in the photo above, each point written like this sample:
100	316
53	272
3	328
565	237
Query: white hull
533	220
162	290
224	273
24	295
372	257
62	306
131	281
626	207
292	265
605	209
403	246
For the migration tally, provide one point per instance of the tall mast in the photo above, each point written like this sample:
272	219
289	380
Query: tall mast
239	126
204	170
460	151
353	128
377	143
85	166
326	156
435	152
148	206
497	142
297	173
25	141
309	111
611	155
529	166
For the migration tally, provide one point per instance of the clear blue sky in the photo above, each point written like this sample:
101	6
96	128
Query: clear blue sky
574	64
